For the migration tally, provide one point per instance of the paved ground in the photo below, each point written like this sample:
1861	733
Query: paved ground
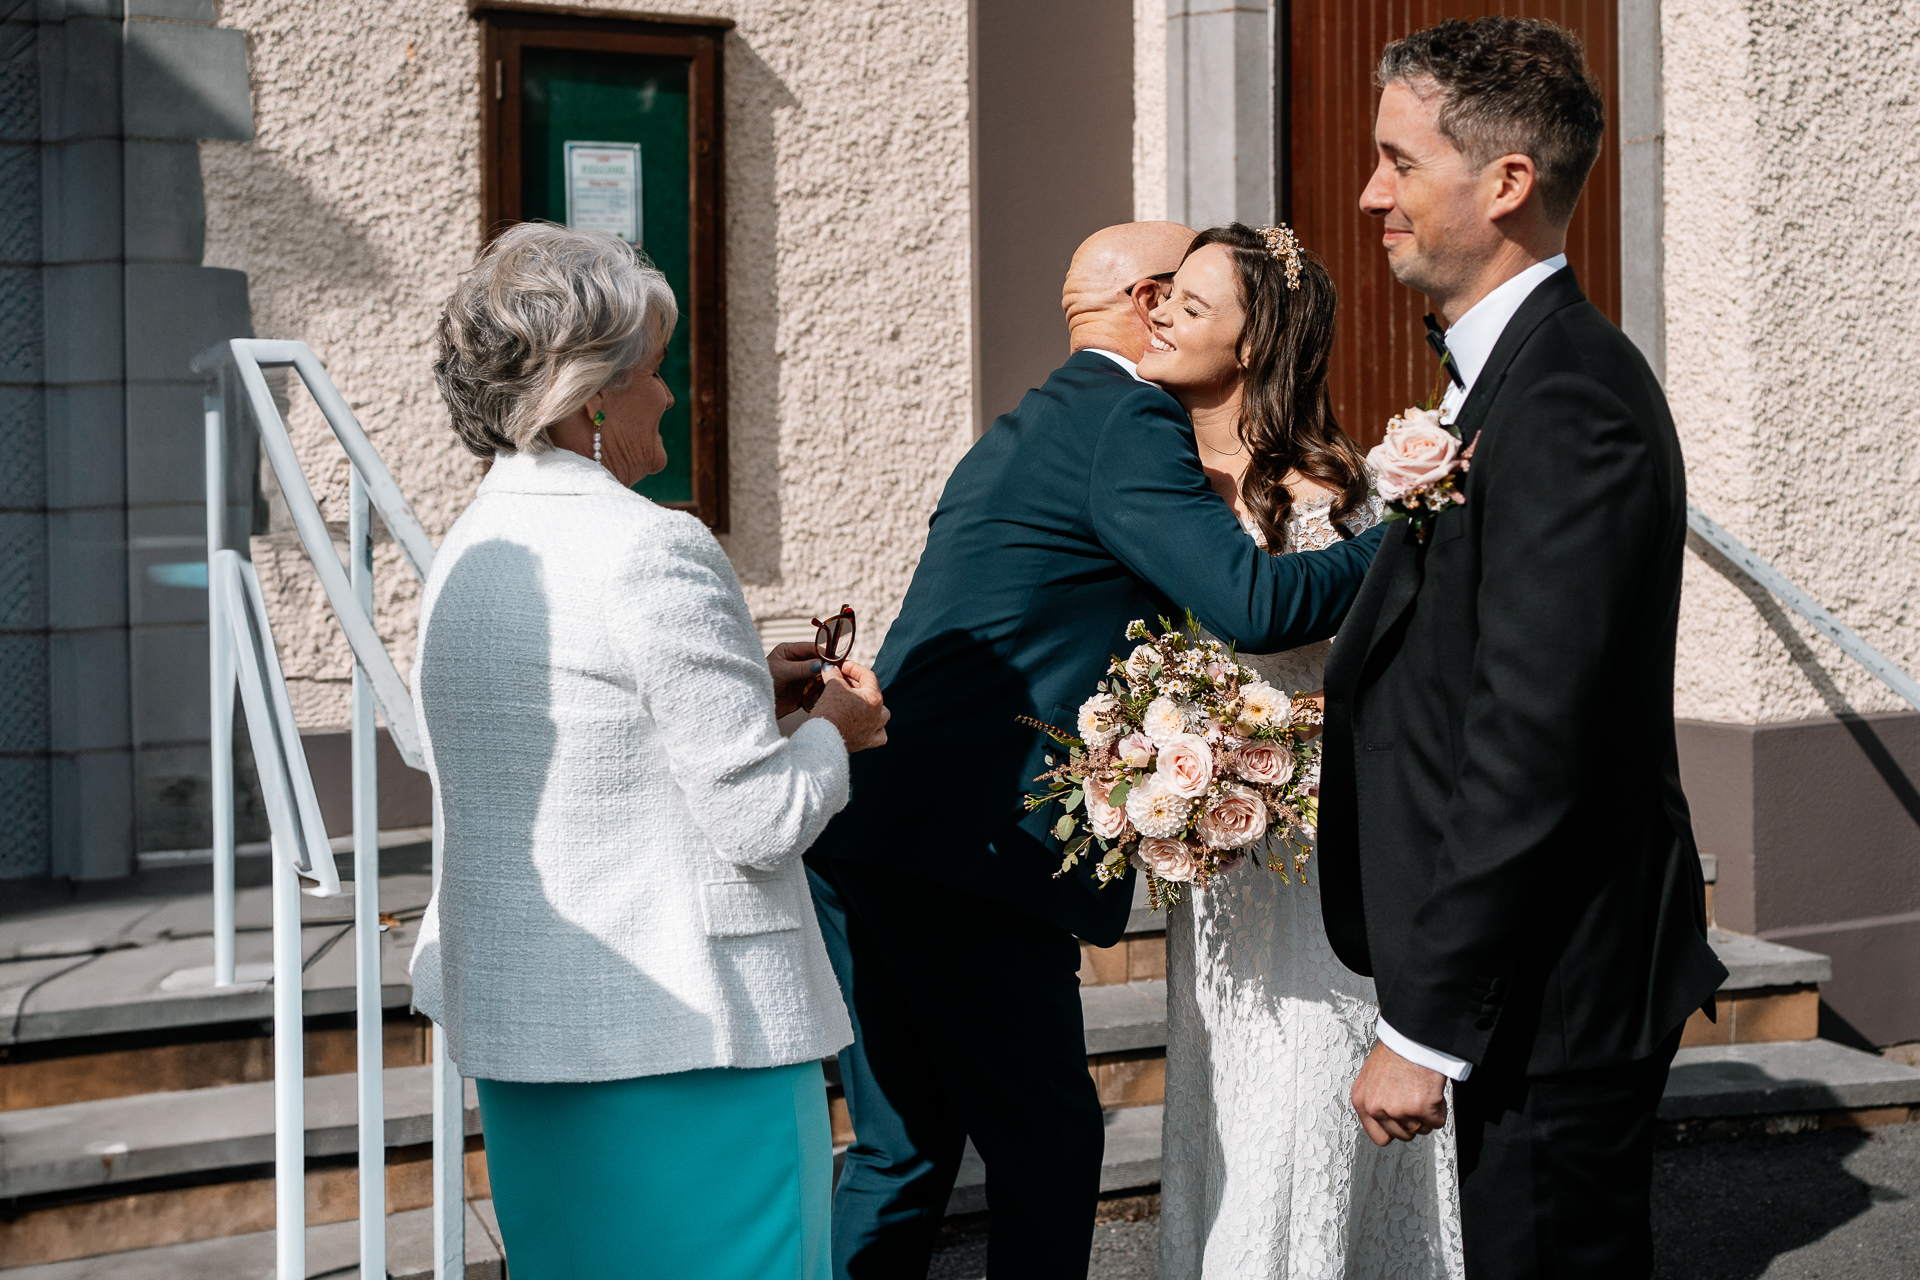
1826	1206
1121	1251
1836	1206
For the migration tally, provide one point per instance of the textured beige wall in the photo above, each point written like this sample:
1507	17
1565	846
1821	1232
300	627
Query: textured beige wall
1793	331
357	205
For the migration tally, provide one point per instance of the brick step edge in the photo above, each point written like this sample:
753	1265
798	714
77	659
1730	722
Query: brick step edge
333	1251
117	1141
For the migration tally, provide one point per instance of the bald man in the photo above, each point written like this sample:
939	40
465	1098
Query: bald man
952	936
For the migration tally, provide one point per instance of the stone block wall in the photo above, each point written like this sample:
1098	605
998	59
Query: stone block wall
103	725
23	482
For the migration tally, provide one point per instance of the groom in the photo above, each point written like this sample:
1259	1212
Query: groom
1504	844
952	937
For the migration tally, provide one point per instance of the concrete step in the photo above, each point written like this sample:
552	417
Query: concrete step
69	972
93	1145
1731	1081
333	1251
1754	962
1123	1016
1786	1078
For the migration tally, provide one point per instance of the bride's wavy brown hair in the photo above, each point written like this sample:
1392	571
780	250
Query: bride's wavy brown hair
1286	416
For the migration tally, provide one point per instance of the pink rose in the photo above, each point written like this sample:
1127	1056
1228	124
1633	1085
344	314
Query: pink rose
1168	859
1267	763
1417	451
1233	821
1186	765
1136	750
1107	822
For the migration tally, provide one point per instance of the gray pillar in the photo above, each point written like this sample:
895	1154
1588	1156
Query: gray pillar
1643	307
100	424
1221	139
23	497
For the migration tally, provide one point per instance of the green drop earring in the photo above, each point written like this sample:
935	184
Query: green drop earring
599	420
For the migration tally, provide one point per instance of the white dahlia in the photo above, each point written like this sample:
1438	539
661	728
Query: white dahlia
1263	706
1099	720
1166	719
1157	812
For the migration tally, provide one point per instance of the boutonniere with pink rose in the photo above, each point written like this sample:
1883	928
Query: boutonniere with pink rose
1418	469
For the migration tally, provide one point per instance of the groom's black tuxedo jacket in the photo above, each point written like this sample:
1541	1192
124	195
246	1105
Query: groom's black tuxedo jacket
1504	844
1083	509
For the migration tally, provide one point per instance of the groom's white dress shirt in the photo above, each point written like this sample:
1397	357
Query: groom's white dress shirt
1471	340
1473	335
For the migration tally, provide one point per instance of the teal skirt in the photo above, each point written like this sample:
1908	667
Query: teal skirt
703	1175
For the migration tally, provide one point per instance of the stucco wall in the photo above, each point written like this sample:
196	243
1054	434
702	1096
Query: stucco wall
1793	305
357	206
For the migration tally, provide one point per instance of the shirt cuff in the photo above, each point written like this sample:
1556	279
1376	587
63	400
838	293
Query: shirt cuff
1413	1051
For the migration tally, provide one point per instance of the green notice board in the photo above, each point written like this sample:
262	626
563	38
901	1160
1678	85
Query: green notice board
578	96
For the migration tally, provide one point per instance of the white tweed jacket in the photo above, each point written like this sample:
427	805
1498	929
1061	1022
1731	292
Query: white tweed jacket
621	890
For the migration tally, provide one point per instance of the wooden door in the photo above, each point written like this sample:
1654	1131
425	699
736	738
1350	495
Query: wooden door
1381	361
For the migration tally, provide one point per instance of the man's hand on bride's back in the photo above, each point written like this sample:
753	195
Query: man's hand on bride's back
852	702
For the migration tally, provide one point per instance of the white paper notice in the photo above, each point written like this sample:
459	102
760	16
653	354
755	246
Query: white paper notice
603	187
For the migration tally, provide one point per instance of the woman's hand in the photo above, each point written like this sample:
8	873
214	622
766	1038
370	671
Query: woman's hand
852	702
792	665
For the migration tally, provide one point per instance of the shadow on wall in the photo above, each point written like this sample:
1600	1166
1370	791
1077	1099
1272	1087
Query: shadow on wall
754	95
1872	746
306	247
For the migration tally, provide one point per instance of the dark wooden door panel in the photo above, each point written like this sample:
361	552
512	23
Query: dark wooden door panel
1381	360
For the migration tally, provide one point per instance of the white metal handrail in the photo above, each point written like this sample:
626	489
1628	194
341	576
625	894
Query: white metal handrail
1744	559
242	655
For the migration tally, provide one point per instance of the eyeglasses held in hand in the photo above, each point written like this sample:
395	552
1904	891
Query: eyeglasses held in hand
832	643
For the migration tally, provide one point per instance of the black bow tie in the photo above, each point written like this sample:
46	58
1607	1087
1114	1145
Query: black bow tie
1437	339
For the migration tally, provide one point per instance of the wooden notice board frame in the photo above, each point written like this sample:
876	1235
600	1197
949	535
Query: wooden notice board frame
507	30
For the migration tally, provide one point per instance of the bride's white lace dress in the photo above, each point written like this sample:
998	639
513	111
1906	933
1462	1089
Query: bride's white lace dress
1265	1170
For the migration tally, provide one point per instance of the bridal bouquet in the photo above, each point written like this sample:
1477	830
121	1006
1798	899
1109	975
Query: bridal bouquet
1185	762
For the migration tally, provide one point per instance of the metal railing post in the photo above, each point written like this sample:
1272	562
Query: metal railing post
243	640
289	1075
220	680
370	1061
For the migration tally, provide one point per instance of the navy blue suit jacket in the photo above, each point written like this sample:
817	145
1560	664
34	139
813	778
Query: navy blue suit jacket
1082	510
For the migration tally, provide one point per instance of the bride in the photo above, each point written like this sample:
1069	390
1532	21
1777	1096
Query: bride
1265	1170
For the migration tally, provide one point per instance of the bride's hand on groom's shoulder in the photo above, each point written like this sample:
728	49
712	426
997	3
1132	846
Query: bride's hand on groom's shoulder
1398	1100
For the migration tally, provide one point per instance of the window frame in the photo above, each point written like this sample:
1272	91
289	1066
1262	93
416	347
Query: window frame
507	28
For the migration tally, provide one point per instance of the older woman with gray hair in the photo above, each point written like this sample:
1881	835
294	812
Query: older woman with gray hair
621	945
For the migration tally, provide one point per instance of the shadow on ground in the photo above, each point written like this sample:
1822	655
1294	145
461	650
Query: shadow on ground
1843	1205
1832	1205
